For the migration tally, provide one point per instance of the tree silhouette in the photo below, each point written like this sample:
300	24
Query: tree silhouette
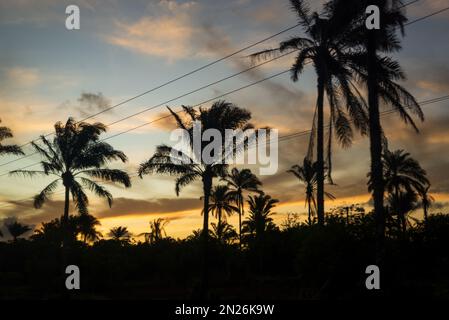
259	220
74	156
220	203
402	203
17	229
239	181
404	179
54	231
307	174
157	231
119	234
6	133
223	232
379	74
426	201
325	47
220	116
87	227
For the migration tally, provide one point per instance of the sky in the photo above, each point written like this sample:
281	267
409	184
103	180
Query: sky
124	48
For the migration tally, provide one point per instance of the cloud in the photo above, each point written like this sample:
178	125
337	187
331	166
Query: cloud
21	76
168	33
89	103
126	206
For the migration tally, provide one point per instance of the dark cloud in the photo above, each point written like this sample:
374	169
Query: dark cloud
126	206
88	103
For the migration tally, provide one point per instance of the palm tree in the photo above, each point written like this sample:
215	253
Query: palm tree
223	232
379	74
402	176
192	166
220	203
259	220
157	230
307	174
119	234
239	181
16	229
74	156
5	133
426	201
87	227
53	232
402	203
324	46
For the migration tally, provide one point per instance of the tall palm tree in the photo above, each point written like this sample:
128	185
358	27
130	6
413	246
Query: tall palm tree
74	156
119	234
220	203
6	133
259	220
307	174
157	230
426	201
87	227
223	232
239	181
220	116
17	229
379	74
324	46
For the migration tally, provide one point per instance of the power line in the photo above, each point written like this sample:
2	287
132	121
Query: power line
196	90
220	96
169	101
285	137
185	75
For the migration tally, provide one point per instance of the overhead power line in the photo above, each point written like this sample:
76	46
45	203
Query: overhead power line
196	90
281	139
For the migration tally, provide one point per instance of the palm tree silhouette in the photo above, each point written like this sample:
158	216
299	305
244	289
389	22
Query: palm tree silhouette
53	231
157	231
239	181
220	116
307	174
6	133
402	203
223	232
87	227
324	46
259	220
426	201
119	234
401	173
74	156
379	74
220	203
17	229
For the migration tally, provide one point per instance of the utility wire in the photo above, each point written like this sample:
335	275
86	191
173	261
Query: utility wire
281	139
199	89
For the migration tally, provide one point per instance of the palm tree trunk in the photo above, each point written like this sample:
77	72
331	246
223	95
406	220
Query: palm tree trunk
65	218
320	151
310	213
207	187
240	220
376	147
425	213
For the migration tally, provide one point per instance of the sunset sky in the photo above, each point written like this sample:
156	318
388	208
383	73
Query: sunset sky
124	48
